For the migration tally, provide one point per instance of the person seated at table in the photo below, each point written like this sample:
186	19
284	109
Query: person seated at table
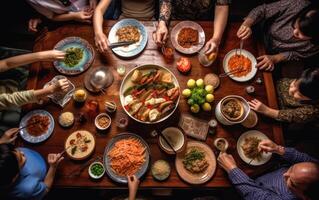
9	136
24	174
137	9
66	10
298	180
193	10
13	80
298	98
291	33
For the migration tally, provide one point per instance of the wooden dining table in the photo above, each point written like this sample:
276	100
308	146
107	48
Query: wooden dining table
42	72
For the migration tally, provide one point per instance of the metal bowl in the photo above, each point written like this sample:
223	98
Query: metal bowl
98	79
145	67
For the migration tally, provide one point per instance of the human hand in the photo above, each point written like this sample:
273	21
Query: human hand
266	62
133	183
61	85
33	24
269	146
9	136
226	161
101	42
52	55
84	16
54	159
211	46
161	34
244	32
258	106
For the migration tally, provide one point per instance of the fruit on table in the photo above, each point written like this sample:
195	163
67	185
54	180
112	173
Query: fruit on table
209	89
195	108
184	65
187	92
191	102
209	98
191	83
206	107
200	83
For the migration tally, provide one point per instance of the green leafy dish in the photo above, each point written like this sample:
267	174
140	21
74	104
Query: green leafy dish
73	56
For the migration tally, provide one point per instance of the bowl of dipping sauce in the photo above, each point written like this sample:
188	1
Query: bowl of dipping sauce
96	170
175	137
102	121
221	144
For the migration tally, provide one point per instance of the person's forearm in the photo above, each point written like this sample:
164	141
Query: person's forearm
248	22
64	17
43	92
98	16
272	113
49	178
21	60
220	21
165	11
132	195
279	58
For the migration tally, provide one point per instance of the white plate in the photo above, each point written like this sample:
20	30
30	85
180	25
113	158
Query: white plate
252	133
246	53
188	24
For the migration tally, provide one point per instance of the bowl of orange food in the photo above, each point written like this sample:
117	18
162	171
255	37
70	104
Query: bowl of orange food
242	66
125	155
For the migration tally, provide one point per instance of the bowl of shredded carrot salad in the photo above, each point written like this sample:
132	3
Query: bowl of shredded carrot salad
241	66
126	154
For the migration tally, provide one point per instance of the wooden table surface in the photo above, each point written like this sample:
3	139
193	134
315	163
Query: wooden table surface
42	72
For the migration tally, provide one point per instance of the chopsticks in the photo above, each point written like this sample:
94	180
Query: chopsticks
231	72
166	140
26	126
65	150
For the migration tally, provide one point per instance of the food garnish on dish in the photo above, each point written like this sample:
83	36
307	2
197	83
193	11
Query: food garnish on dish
250	148
128	33
127	156
73	56
240	64
187	37
38	125
232	109
152	94
195	160
80	144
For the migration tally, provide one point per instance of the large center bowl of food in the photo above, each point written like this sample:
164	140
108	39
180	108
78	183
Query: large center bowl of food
149	93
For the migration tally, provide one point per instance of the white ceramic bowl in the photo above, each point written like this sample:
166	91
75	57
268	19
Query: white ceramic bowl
94	176
222	119
97	124
179	137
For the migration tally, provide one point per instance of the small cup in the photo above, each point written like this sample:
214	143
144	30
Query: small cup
122	121
97	124
223	142
92	175
110	106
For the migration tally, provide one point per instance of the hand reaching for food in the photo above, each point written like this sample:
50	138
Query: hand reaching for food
54	159
133	183
226	161
101	42
9	136
244	32
161	34
61	85
52	55
211	46
266	62
258	106
270	146
83	16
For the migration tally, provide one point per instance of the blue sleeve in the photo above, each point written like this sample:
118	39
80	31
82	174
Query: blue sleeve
248	188
293	156
39	191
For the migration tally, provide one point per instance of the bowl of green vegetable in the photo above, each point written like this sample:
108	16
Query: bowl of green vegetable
96	170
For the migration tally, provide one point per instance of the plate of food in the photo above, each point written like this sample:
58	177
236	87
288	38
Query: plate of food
197	164
128	30
126	154
79	145
79	56
243	66
247	148
149	93
188	37
39	126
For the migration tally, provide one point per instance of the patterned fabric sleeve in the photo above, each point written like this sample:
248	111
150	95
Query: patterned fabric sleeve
248	188
165	11
16	99
223	2
293	156
299	115
302	53
266	11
